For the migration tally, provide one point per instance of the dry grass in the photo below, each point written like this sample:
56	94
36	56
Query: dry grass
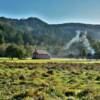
54	79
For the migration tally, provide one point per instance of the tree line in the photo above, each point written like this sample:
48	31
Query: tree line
16	51
25	42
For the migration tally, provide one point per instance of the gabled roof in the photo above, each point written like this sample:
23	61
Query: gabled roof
40	51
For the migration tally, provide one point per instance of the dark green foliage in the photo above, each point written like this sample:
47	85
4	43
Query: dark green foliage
33	31
19	39
13	51
22	51
1	39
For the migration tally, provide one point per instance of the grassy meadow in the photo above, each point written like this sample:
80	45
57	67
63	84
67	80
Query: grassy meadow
54	79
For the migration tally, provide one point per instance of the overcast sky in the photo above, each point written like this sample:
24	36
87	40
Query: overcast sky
53	11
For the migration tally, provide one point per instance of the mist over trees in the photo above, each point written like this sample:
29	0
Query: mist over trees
30	33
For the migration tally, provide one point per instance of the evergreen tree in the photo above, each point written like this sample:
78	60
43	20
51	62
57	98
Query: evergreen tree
1	39
19	39
14	51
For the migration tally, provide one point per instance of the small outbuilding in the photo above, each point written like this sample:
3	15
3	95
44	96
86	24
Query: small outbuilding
40	54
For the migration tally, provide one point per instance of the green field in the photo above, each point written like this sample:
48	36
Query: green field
54	79
52	60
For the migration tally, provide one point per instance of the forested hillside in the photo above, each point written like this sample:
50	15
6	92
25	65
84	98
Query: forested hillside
33	31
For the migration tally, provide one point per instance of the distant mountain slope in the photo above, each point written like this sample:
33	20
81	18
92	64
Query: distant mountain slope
37	32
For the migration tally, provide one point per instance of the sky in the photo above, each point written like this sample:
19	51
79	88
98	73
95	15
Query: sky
53	11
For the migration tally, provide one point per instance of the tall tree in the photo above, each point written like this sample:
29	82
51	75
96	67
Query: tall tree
19	38
1	39
14	51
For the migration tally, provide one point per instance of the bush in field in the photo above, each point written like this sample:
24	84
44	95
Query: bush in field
14	51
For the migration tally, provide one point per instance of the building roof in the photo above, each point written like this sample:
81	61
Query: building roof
40	51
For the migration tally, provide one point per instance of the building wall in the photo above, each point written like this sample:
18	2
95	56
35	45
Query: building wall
41	56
